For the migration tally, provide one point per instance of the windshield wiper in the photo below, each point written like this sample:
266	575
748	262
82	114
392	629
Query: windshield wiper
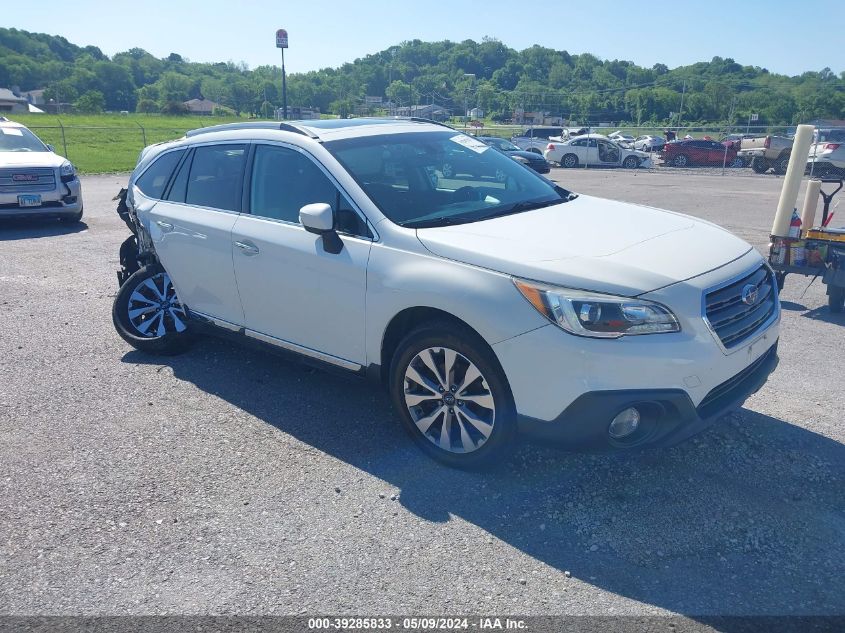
526	205
434	222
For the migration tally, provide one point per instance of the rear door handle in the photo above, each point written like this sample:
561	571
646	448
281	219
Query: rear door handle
248	248
164	226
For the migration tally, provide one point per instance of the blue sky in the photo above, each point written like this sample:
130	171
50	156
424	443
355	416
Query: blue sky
785	37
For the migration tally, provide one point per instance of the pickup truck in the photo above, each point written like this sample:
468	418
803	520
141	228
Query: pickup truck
766	152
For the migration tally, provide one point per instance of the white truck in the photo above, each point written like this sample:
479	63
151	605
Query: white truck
766	152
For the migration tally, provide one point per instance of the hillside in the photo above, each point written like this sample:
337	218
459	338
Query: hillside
486	74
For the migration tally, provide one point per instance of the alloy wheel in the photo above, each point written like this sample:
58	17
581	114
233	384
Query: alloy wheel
154	309
449	400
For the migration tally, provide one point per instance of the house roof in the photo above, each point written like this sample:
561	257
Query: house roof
8	95
200	104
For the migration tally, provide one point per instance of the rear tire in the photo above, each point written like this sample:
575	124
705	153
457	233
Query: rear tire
760	165
468	421
148	315
681	160
569	161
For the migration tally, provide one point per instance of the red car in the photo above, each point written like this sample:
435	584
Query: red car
699	152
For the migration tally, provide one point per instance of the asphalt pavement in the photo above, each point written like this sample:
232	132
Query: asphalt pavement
230	481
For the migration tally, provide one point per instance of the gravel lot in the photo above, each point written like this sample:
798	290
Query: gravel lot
228	481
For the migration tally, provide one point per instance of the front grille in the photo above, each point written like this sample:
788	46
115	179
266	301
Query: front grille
732	319
43	179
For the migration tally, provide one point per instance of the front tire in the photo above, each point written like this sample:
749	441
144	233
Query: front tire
71	219
781	165
148	315
632	162
452	396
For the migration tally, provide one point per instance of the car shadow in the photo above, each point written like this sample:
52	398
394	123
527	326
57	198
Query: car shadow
29	228
823	313
792	305
748	518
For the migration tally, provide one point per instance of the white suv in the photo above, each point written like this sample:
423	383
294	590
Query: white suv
34	180
484	304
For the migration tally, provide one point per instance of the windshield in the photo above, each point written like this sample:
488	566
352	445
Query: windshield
428	179
501	144
18	139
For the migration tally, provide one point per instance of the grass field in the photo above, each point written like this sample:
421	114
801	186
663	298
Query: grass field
109	143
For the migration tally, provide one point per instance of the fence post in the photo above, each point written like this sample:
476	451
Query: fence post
64	140
143	133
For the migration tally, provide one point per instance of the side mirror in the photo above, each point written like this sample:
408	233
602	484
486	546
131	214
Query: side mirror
51	148
317	218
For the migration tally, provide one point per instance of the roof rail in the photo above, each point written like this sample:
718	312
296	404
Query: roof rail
419	119
253	125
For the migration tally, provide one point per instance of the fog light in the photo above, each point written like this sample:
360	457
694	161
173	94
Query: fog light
624	423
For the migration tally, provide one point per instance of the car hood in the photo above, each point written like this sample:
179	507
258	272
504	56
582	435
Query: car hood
591	243
30	159
526	155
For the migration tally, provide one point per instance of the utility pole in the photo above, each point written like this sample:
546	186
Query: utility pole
282	43
466	100
681	111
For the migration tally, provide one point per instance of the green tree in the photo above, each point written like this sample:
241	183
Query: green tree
91	102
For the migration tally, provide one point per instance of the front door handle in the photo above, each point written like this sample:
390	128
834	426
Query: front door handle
248	248
164	226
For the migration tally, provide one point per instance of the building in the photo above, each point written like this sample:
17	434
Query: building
476	113
298	113
828	123
431	111
35	97
10	102
203	107
523	117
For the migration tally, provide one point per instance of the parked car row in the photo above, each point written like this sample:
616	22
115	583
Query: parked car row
562	146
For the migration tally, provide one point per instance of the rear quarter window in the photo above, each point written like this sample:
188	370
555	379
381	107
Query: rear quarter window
154	180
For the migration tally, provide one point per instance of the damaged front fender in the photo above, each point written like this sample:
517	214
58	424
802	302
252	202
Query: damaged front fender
136	250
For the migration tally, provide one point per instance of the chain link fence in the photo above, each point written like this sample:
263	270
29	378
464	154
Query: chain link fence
115	148
100	149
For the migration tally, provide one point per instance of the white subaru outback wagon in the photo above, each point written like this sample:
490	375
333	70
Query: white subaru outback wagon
487	305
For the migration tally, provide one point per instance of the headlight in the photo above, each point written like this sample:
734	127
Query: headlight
520	159
596	315
67	171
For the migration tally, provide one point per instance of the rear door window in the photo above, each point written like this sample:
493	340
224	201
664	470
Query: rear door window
216	177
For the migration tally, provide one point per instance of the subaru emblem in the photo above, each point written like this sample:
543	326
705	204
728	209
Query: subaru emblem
749	295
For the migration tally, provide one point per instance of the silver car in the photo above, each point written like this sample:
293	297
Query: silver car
34	180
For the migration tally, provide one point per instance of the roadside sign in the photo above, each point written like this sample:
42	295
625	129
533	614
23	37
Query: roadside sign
281	38
754	117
